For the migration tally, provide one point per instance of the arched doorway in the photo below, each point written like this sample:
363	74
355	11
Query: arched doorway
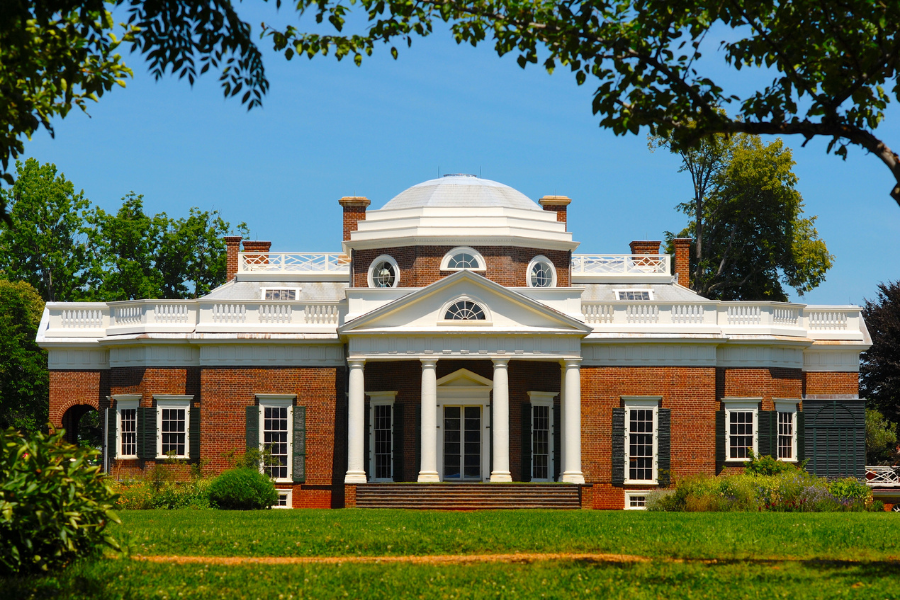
83	426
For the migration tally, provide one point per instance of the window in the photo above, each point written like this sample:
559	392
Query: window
285	499
635	500
541	273
740	428
464	310
280	293
463	258
384	272
633	295
172	426
126	413
381	436
786	411
641	440
276	416
542	467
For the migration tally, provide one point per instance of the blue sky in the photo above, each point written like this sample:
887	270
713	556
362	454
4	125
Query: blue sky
331	129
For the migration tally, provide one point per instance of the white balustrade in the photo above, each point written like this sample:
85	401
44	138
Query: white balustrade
882	476
229	313
744	314
131	314
82	318
597	313
321	314
786	316
292	262
274	313
642	313
687	313
620	264
827	319
171	313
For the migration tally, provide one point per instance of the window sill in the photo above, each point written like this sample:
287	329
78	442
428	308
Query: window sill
166	457
737	460
641	482
129	457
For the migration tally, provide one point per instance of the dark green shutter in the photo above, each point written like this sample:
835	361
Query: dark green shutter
664	446
299	466
767	438
491	433
367	438
111	450
397	442
526	442
418	440
147	424
618	446
557	441
194	434
252	427
720	440
801	437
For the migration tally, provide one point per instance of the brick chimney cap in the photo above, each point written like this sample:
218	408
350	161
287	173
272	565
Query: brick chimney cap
555	201
232	239
347	201
256	245
682	240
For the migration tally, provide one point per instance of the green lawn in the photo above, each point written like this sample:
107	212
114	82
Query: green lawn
767	555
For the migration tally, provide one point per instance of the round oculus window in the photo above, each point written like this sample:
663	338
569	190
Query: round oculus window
541	274
384	274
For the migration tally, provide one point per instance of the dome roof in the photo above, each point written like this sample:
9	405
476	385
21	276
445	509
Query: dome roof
460	191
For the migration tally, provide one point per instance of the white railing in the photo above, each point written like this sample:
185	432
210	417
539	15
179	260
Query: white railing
620	264
826	319
879	476
82	318
321	314
687	313
743	314
597	313
171	313
292	262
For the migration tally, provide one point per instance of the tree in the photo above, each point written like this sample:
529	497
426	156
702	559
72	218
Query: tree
24	380
881	439
829	60
879	371
43	244
746	220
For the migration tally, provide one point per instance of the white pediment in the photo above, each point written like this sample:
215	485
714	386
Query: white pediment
504	310
464	378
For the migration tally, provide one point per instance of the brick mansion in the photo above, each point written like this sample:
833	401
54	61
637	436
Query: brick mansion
458	338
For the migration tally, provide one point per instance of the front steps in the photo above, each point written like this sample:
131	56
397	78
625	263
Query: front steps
468	496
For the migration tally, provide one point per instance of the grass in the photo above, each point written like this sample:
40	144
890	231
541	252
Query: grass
765	555
824	536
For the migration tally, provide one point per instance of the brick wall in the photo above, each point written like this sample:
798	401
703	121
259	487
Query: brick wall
830	383
421	265
766	383
77	388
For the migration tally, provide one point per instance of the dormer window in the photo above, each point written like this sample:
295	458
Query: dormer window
289	294
634	295
384	272
463	259
541	273
464	310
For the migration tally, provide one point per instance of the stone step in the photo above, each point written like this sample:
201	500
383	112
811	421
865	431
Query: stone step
467	496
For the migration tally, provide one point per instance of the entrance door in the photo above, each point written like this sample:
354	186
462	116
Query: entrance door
462	443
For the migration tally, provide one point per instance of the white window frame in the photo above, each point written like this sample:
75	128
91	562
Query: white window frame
549	263
380	399
289	493
488	318
482	265
176	402
126	402
278	401
296	291
544	399
642	403
619	292
383	258
630	493
731	405
788	405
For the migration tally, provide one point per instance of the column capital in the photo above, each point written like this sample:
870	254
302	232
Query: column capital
429	362
356	363
500	362
570	363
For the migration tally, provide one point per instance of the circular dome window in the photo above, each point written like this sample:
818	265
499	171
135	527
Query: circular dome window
384	273
541	272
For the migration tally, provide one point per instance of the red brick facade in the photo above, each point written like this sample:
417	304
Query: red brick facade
421	265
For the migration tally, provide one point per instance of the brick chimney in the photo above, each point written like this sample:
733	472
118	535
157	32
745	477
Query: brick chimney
232	248
556	204
683	261
257	253
354	212
645	247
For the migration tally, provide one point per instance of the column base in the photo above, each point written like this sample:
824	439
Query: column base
428	477
355	477
572	477
501	477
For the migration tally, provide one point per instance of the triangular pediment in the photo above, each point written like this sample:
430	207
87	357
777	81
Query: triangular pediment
464	378
505	310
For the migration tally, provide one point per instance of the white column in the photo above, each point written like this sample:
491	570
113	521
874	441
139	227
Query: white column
500	422
561	427
356	422
572	440
428	451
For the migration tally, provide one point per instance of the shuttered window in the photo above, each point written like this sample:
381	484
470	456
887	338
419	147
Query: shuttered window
641	440
271	431
741	428
173	422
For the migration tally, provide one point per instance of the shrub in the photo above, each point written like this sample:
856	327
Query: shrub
54	505
242	489
144	494
767	465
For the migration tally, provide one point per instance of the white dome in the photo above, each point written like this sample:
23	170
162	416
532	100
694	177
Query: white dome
460	191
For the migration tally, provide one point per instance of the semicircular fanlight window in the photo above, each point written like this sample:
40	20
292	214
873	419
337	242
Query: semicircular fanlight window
462	260
464	310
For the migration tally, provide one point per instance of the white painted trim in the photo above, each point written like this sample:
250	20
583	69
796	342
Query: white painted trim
630	493
380	399
788	405
177	402
544	399
473	395
125	402
278	401
540	258
482	265
642	403
740	405
290	499
388	259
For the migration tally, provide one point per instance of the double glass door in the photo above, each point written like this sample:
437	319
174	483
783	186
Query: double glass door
462	443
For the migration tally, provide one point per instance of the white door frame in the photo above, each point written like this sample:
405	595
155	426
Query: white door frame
464	388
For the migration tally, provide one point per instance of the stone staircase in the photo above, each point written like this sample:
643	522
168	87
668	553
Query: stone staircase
468	496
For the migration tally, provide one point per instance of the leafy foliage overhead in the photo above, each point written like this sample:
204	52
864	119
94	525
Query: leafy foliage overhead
24	380
879	372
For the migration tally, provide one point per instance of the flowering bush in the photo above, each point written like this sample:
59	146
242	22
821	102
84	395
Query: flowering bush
138	494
